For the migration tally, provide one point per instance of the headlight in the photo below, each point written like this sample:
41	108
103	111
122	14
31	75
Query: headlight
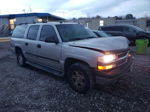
108	58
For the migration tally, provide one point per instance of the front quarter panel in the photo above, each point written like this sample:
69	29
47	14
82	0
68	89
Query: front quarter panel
85	55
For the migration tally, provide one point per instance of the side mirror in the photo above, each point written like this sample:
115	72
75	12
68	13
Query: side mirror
51	40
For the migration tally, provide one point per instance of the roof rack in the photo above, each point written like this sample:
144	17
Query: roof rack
60	21
23	23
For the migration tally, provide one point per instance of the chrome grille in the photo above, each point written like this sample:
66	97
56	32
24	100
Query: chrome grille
122	58
120	62
122	54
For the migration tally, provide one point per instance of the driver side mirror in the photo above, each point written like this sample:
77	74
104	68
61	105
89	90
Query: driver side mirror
51	40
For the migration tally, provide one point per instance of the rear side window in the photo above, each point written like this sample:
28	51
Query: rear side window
47	32
19	31
129	29
112	28
33	31
106	28
117	28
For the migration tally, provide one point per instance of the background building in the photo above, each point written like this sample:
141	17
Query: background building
95	22
8	22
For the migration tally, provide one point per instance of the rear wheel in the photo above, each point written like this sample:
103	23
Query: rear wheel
80	77
20	58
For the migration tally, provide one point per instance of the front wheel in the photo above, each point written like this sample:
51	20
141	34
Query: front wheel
80	77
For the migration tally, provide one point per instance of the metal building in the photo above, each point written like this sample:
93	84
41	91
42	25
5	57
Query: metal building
8	22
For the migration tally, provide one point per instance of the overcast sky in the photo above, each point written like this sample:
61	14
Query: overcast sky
78	8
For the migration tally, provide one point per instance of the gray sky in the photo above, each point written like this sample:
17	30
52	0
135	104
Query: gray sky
78	8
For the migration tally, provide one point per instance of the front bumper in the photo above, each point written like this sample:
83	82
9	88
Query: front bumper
110	76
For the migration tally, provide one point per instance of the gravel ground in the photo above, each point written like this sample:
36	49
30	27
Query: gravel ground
32	90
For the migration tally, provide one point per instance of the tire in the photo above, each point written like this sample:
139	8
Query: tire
20	58
80	77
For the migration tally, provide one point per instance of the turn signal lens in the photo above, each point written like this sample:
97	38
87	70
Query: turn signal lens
129	55
107	67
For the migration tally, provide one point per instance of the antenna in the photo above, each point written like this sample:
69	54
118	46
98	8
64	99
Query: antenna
30	9
24	11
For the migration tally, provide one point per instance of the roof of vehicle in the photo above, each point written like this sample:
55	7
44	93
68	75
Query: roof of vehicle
117	25
50	23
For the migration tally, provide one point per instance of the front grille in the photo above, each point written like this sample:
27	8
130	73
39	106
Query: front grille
122	54
120	62
122	58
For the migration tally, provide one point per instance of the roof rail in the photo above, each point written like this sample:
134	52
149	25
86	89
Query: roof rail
23	23
61	21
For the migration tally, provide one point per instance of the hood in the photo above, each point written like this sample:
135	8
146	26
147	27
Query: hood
102	44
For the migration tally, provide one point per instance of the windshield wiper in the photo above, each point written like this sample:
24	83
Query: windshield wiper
82	38
90	37
75	39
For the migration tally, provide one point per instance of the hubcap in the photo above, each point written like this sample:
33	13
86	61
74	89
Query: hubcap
78	79
20	59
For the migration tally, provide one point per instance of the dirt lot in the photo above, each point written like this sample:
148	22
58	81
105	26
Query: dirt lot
33	90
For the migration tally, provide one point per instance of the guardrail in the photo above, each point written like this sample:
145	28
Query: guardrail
6	39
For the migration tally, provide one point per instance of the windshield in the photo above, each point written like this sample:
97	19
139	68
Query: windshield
102	34
91	33
137	28
71	32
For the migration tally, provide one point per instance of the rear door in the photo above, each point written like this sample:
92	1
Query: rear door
30	43
48	52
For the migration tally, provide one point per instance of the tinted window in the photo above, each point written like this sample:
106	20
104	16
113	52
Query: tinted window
112	28
129	29
106	28
19	31
47	32
33	31
117	28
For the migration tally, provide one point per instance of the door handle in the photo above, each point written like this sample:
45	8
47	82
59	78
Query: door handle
26	44
38	46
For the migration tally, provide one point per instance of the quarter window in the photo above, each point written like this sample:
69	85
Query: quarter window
33	31
19	31
47	32
128	29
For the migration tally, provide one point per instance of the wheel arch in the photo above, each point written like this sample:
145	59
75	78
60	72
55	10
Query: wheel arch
70	61
17	48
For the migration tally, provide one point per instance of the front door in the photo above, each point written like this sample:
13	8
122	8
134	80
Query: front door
49	52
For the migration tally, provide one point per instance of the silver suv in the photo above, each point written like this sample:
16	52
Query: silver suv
69	50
